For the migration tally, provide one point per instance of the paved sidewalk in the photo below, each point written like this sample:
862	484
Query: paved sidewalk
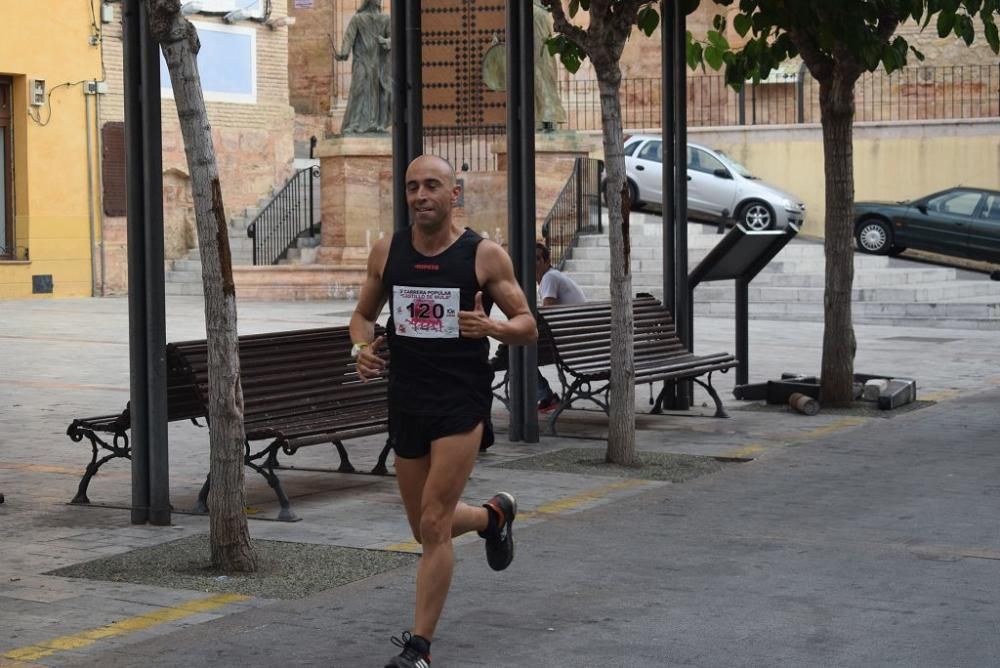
848	541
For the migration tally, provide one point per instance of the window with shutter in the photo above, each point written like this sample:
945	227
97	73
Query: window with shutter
7	236
113	168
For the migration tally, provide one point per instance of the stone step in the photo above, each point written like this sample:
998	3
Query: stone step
585	263
981	315
870	278
183	289
645	251
299	256
929	293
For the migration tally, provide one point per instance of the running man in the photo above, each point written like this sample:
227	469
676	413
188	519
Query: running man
440	281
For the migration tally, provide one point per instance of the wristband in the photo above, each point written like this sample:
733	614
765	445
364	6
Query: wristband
357	348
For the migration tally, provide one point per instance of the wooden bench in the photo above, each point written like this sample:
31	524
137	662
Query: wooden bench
582	349
300	388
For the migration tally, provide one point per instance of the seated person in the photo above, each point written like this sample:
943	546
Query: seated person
554	287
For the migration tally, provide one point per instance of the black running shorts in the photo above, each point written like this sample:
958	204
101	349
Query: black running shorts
411	434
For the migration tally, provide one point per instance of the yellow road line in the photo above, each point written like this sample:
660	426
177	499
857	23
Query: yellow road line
573	502
940	395
48	468
787	438
123	627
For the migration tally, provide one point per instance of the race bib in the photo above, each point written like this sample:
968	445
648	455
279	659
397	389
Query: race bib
425	313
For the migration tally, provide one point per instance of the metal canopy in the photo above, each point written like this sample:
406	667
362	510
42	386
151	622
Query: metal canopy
739	257
675	212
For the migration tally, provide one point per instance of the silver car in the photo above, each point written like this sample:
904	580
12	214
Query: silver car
719	188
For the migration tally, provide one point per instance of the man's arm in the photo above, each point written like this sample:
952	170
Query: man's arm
496	274
370	303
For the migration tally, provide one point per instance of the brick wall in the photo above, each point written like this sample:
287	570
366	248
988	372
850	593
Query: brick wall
253	143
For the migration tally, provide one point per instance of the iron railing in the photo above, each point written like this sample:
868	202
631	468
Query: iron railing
14	253
912	94
577	210
288	216
467	148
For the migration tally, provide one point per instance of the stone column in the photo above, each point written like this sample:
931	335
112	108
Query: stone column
356	175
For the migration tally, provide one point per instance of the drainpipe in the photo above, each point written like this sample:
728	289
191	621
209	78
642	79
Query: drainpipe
100	192
90	183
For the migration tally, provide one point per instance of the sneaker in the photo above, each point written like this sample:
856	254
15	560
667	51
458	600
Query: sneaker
500	544
410	657
548	404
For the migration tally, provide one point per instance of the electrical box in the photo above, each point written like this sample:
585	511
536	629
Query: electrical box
107	13
95	87
36	92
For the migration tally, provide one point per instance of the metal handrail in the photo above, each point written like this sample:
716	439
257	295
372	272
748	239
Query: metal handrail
289	215
577	210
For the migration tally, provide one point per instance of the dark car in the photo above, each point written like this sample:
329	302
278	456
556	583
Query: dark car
964	222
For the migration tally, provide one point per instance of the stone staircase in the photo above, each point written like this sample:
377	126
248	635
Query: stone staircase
183	276
887	291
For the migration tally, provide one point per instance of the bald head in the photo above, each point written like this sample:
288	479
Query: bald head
432	165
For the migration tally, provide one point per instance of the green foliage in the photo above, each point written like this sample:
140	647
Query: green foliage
572	54
851	36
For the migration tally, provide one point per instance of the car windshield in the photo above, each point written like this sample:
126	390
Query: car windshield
735	166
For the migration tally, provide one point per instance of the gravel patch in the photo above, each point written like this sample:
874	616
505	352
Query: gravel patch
858	408
590	461
287	570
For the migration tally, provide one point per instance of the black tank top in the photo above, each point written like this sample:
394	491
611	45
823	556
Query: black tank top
433	370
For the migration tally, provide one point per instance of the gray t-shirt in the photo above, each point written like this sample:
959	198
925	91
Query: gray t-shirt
562	288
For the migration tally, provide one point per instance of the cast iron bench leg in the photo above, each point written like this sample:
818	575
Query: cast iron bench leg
202	504
563	405
720	412
380	468
77	434
345	461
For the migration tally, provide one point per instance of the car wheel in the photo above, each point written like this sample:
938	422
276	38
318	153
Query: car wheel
633	195
874	236
756	216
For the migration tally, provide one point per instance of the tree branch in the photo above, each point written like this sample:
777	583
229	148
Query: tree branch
820	65
167	25
562	25
622	23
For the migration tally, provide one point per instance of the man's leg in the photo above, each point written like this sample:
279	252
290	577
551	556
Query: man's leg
431	488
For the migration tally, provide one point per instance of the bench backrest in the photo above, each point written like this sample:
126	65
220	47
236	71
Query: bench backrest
285	373
581	340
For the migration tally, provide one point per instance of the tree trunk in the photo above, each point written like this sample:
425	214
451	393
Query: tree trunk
839	345
232	550
621	416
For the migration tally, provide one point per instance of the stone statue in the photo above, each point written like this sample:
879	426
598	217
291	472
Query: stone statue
368	102
548	106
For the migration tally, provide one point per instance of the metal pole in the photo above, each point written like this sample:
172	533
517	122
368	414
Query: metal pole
135	204
156	322
682	296
414	82
667	90
742	331
800	86
521	209
398	53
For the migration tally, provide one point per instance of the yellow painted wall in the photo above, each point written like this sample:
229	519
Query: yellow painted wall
891	161
50	160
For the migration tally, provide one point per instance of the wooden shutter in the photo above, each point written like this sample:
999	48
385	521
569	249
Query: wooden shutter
113	168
